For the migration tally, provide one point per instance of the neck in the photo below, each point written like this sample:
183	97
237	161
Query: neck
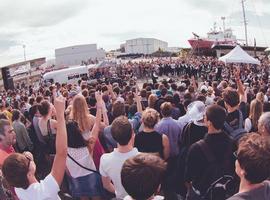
231	109
212	130
124	149
32	180
148	130
246	186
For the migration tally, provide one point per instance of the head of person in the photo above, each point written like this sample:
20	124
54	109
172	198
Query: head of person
253	159
215	117
45	108
264	124
122	131
79	112
260	97
152	100
150	118
18	169
118	109
16	115
145	170
231	98
7	134
166	109
256	109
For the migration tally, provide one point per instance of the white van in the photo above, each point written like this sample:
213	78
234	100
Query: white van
68	75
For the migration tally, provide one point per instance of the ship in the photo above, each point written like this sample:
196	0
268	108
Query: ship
214	37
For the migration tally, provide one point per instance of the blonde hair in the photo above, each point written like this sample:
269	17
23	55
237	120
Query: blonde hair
150	117
260	97
80	113
256	109
152	100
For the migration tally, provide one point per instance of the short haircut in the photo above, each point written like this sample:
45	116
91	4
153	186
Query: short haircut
231	97
15	169
121	130
150	117
264	120
216	115
3	123
118	109
44	108
16	115
142	175
254	157
166	109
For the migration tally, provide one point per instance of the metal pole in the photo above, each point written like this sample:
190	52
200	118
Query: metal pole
245	20
24	52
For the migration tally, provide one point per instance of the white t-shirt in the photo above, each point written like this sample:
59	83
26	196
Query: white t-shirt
111	166
82	156
47	189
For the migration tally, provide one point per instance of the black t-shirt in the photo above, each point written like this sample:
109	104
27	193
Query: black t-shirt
192	133
149	142
197	163
260	193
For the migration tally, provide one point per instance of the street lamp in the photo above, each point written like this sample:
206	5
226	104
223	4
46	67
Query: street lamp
24	51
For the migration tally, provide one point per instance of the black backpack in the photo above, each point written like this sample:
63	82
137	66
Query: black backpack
217	182
237	133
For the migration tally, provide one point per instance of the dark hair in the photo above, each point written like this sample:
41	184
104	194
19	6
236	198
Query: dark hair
118	109
121	130
163	91
166	109
74	135
15	169
142	175
231	97
254	157
44	108
16	115
216	115
266	106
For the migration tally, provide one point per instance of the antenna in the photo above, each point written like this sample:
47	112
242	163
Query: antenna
245	20
223	19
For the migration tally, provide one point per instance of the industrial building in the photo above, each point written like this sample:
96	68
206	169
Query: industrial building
75	55
144	46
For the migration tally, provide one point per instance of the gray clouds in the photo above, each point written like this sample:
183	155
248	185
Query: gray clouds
34	13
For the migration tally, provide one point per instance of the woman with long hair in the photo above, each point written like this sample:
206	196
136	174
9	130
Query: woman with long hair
80	114
256	109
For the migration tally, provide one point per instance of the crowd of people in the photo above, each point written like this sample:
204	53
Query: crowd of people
203	133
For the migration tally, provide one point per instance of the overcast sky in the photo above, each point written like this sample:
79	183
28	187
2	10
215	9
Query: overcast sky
44	26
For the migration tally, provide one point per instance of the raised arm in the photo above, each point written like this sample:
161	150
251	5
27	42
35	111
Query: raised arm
138	101
59	163
96	128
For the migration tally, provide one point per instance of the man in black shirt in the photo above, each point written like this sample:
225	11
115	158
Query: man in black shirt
220	146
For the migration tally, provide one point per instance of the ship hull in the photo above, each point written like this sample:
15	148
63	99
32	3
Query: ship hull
200	44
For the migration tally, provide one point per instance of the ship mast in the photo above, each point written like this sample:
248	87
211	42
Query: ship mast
223	19
245	20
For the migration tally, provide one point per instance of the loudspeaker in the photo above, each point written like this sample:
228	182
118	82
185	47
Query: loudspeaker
7	79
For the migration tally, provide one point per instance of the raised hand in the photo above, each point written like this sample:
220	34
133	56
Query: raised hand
59	104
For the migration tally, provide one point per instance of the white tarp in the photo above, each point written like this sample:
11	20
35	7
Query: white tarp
238	55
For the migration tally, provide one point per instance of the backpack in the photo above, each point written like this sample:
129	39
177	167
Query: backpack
222	182
236	134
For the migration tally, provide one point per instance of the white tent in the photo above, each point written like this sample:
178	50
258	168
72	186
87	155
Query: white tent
238	55
267	50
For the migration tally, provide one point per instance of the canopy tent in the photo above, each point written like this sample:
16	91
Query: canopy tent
238	55
267	50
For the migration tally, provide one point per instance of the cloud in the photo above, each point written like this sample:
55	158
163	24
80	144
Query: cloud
254	20
212	6
33	13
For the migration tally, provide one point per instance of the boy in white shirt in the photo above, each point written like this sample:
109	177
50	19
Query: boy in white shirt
19	169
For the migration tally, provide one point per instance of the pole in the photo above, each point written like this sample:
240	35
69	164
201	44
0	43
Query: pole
245	20
24	52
